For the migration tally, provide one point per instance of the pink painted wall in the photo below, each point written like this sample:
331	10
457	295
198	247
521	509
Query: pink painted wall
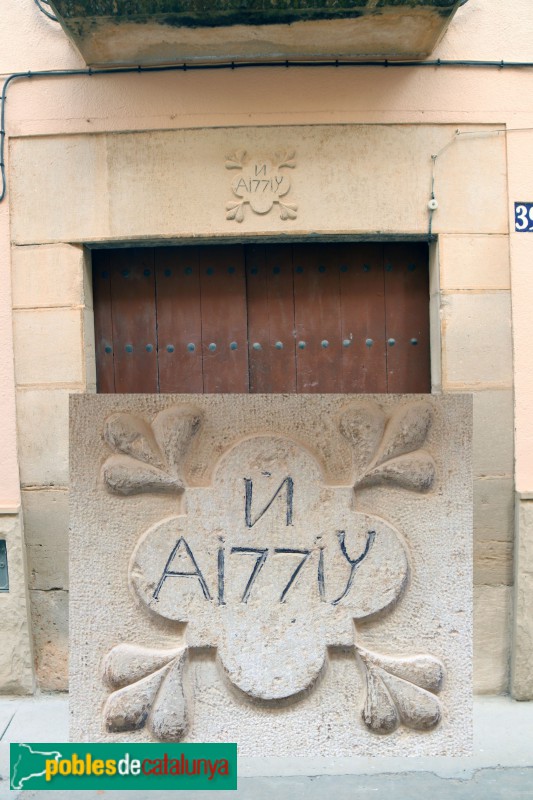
483	29
9	483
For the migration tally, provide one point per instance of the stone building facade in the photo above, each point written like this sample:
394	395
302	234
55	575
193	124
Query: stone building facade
140	159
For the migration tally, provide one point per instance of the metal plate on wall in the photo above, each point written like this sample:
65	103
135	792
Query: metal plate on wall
4	573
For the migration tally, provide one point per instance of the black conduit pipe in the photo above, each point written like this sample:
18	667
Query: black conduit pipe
61	73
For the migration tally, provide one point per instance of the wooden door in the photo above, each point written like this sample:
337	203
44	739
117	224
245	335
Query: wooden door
263	318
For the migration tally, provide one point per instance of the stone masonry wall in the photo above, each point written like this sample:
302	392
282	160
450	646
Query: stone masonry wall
475	308
53	327
54	356
52	292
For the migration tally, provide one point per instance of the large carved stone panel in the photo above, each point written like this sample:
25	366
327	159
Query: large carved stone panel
289	572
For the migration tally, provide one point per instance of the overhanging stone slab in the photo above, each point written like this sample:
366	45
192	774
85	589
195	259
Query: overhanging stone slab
289	572
150	32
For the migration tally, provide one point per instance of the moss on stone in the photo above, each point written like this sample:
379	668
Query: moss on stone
230	12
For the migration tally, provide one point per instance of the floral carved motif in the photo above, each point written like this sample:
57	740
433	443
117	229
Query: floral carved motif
260	184
148	458
401	691
270	568
148	691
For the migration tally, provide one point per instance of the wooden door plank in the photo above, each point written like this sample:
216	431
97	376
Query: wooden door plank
224	328
270	300
179	320
317	318
364	359
407	317
134	320
103	322
175	304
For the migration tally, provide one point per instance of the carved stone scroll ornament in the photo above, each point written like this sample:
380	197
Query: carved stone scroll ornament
270	567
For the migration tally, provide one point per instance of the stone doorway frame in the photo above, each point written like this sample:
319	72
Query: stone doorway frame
54	343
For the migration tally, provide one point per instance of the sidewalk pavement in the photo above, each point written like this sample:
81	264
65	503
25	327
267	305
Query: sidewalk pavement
500	769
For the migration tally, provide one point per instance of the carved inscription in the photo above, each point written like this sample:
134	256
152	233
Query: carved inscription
191	572
249	484
272	547
260	183
169	573
270	568
354	563
264	183
182	548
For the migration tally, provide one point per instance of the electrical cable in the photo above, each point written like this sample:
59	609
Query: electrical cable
433	204
61	73
39	4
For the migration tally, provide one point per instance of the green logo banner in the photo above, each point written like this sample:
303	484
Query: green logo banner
123	766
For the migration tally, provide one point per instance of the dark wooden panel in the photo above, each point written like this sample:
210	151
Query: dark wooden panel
271	343
317	318
103	322
364	360
224	329
187	319
134	320
407	318
179	319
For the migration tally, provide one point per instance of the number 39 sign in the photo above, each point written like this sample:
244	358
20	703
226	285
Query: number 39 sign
523	217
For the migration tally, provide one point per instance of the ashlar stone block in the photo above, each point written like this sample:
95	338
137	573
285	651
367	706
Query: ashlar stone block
493	434
49	275
522	655
296	562
474	263
16	668
494	509
49	346
492	638
42	425
46	535
49	615
476	334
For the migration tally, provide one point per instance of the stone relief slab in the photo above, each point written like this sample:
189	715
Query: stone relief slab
289	572
260	183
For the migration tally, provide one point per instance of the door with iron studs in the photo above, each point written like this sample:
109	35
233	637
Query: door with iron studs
288	318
